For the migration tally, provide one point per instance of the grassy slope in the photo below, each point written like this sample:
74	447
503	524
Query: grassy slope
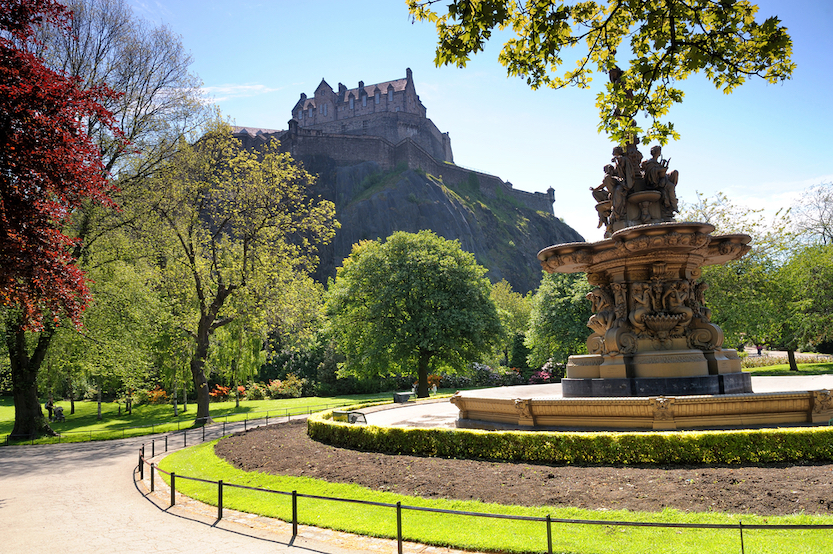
482	533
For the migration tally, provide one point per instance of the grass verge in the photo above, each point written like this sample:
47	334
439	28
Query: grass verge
485	534
115	423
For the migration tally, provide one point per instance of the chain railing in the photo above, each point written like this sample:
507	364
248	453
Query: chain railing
400	508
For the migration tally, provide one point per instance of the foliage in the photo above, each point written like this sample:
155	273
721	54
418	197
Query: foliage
513	309
809	274
558	322
291	387
412	302
157	396
749	297
689	447
220	393
669	41
230	228
814	214
49	166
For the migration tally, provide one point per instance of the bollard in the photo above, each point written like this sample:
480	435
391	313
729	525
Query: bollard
153	448
141	464
152	468
224	427
740	526
246	424
399	527
173	488
185	438
203	433
549	534
294	514
166	443
220	499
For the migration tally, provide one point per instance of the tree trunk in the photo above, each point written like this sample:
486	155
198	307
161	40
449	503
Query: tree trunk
422	374
184	395
71	396
29	420
198	373
176	408
99	400
791	358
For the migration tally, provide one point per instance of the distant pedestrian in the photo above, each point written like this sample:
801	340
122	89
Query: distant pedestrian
760	348
49	405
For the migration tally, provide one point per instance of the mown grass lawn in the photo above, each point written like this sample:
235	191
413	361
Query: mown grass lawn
783	370
479	533
115	423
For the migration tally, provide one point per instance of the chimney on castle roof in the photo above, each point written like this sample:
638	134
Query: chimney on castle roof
361	86
303	96
408	74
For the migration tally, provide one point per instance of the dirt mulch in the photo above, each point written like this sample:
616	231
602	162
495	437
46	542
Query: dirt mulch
766	490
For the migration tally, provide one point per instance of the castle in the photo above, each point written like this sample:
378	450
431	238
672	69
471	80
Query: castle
385	123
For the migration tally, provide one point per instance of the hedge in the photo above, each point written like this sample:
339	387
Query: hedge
756	446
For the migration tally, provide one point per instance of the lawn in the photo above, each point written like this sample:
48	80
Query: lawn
115	423
783	370
480	533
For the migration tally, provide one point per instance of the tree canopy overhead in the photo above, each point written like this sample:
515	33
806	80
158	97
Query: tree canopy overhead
669	40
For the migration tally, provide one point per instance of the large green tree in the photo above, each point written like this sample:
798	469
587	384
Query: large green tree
230	227
409	303
669	40
558	320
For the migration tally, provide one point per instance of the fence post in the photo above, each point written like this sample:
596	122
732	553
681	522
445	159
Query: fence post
152	468
224	427
399	527
294	514
549	534
173	488
153	448
185	438
220	499
740	527
166	443
246	423
142	462
203	433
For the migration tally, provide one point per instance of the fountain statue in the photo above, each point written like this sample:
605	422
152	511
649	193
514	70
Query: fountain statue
651	331
655	359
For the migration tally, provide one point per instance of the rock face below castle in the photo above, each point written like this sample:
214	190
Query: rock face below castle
387	168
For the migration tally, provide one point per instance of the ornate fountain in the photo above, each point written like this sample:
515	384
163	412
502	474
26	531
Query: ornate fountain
655	360
652	332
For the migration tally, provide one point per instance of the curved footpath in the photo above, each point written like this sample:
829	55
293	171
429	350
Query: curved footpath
87	497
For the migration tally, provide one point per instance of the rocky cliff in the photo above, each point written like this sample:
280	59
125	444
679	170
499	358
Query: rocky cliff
503	234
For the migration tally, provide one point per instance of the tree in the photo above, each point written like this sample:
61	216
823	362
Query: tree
230	224
558	319
49	167
669	41
749	298
814	214
513	309
810	274
409	303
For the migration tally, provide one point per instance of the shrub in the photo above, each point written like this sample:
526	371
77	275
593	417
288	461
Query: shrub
256	392
140	397
291	387
220	393
784	445
157	396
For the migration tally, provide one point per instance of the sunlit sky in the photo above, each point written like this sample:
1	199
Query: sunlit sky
761	146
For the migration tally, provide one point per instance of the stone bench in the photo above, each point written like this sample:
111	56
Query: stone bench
402	397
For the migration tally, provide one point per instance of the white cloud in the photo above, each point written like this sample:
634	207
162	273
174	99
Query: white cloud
221	93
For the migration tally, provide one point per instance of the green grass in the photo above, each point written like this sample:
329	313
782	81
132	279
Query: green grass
784	370
485	534
84	425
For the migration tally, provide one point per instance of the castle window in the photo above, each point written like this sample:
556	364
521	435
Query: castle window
324	109
390	95
300	115
310	113
376	97
364	100
351	102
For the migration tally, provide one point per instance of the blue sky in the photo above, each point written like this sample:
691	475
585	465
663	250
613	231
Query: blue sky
761	145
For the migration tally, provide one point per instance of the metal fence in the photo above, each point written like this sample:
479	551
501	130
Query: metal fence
151	429
400	508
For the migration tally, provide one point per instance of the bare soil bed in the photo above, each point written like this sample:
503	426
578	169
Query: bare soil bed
766	490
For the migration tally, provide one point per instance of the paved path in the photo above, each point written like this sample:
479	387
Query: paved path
86	497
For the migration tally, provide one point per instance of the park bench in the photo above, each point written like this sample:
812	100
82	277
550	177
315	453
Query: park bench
402	397
350	416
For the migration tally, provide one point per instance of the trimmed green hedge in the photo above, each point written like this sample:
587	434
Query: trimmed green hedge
802	444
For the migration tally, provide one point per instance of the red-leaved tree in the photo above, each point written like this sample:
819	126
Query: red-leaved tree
48	168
